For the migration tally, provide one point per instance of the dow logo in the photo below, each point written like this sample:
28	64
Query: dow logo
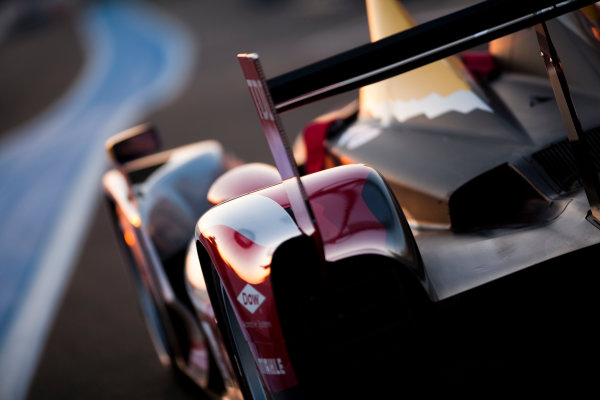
250	298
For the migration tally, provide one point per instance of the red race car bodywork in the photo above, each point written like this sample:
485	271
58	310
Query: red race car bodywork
314	286
356	214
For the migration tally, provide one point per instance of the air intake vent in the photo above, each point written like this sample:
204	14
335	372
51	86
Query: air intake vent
558	161
499	198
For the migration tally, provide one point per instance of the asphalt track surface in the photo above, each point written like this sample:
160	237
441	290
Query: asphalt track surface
97	346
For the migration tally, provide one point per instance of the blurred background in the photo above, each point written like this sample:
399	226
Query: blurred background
74	72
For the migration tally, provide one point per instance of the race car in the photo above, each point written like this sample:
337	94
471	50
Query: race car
438	236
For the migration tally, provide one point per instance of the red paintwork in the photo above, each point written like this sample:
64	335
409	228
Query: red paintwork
347	227
261	328
314	139
480	63
346	224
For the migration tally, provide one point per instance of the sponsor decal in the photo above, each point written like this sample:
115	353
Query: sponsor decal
250	298
260	100
258	324
271	366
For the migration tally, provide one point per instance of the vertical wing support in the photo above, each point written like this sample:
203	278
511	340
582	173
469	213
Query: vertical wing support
279	145
577	137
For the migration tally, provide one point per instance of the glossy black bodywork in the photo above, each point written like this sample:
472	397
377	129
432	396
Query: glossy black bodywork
372	331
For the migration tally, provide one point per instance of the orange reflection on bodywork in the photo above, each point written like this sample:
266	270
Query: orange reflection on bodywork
193	270
345	160
135	220
499	46
129	237
249	260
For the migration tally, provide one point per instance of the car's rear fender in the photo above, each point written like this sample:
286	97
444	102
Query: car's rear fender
238	240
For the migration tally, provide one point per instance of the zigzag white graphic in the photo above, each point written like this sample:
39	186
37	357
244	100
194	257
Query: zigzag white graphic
432	106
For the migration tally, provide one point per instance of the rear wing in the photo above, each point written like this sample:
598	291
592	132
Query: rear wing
412	48
403	52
